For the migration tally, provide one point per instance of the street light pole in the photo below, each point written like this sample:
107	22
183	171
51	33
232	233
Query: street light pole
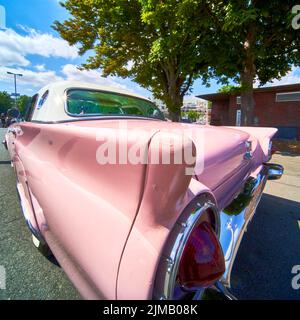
15	81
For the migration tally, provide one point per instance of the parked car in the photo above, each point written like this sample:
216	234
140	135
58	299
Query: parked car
103	188
12	116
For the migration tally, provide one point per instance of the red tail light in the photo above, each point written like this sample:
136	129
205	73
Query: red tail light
202	262
193	258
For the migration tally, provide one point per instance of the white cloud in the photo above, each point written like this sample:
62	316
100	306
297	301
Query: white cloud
9	57
72	73
40	67
34	80
292	77
14	47
30	78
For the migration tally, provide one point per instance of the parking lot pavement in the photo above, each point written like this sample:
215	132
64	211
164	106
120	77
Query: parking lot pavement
271	246
28	274
269	250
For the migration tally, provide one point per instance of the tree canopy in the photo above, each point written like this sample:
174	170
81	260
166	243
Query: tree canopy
156	43
259	45
165	45
6	102
23	101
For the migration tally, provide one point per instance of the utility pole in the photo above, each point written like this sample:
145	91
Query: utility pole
15	80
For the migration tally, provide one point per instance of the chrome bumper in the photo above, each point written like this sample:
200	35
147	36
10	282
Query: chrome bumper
275	171
236	216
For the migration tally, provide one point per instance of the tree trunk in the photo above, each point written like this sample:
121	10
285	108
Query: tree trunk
247	76
174	108
173	95
174	100
248	103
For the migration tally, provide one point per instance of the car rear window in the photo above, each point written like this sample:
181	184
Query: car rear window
81	102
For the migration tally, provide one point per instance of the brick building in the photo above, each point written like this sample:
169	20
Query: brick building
274	107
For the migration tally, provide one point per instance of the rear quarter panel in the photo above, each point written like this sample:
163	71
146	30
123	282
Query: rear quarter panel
84	210
168	190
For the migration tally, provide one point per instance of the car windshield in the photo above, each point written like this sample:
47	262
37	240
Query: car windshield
82	102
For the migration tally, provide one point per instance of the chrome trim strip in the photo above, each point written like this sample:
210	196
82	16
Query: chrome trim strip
35	232
167	272
93	119
176	253
248	155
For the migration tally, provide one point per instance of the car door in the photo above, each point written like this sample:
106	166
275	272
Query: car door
14	135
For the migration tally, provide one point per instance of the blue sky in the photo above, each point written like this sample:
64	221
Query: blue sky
29	45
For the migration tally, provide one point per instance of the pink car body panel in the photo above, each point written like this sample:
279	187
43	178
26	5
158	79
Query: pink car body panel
109	241
107	224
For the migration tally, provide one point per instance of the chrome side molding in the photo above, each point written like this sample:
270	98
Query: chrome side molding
275	171
165	281
35	232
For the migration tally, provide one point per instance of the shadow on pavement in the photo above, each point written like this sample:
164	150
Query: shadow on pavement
269	250
287	154
5	162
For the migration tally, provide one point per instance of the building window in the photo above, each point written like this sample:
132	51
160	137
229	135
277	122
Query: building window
287	96
238	100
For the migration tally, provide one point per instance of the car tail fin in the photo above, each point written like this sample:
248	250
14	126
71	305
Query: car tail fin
264	137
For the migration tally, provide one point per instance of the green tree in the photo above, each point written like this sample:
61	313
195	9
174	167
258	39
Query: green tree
255	41
159	44
5	101
193	115
22	103
230	89
165	45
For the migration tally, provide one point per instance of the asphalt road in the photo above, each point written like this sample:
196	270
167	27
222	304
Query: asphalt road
271	247
269	250
28	274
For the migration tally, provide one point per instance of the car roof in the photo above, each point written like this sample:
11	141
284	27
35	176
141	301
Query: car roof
65	85
52	109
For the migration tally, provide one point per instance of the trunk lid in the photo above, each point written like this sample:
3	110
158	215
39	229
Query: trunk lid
220	151
224	154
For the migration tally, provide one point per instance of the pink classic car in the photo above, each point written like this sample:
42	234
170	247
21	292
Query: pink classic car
133	206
